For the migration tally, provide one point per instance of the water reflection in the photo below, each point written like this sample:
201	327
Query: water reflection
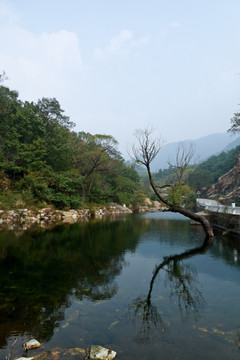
229	250
71	286
43	270
182	280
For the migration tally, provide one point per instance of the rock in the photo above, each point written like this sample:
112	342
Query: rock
156	204
24	358
101	353
228	186
46	211
142	209
31	344
147	201
32	219
118	209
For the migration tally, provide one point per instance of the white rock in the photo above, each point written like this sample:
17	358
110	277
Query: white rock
31	344
101	353
24	358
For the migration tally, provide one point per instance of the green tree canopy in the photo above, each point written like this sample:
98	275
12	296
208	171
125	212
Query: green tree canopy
41	157
235	123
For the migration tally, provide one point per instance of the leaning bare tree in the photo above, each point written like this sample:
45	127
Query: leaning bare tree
144	152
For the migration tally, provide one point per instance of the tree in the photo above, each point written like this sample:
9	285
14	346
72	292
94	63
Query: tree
144	152
235	123
57	134
9	139
50	110
92	155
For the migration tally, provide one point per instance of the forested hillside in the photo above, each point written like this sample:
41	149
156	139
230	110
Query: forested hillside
205	174
43	162
208	172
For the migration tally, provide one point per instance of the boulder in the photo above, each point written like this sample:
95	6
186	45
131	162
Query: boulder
147	201
156	204
114	208
101	353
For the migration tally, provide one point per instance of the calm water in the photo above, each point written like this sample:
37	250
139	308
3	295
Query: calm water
143	285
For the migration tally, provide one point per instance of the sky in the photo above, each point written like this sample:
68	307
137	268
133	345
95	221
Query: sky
120	65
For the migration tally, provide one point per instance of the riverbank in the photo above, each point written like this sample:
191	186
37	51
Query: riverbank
46	216
25	218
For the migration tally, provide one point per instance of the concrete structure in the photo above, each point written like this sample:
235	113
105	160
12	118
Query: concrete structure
216	207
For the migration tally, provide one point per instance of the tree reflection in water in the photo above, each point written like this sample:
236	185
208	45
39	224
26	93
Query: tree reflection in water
42	273
182	279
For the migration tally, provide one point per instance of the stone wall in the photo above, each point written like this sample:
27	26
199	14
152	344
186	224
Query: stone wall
227	222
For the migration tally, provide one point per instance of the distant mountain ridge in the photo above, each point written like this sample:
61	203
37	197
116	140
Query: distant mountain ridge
232	145
204	148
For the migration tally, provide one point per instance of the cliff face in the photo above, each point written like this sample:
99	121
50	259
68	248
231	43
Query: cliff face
227	189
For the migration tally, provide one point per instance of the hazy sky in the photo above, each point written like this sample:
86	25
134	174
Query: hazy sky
118	65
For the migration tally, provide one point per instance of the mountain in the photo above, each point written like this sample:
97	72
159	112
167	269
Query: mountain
227	188
204	148
232	145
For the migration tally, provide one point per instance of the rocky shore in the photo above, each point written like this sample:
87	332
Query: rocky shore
45	217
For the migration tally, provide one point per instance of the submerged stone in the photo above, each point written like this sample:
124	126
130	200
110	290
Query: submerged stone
42	356
75	351
101	353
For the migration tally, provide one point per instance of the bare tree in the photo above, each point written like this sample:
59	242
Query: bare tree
145	151
184	156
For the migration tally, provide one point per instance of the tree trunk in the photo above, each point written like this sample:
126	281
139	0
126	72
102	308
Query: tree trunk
83	194
179	209
199	218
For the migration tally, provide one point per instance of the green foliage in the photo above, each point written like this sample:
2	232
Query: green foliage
205	174
235	123
138	198
41	158
175	196
201	178
208	172
181	194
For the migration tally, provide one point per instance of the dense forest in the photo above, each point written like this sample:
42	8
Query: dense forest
43	161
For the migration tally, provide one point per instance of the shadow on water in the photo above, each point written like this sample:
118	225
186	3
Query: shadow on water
42	270
182	279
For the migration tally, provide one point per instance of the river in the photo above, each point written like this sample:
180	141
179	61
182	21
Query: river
146	286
